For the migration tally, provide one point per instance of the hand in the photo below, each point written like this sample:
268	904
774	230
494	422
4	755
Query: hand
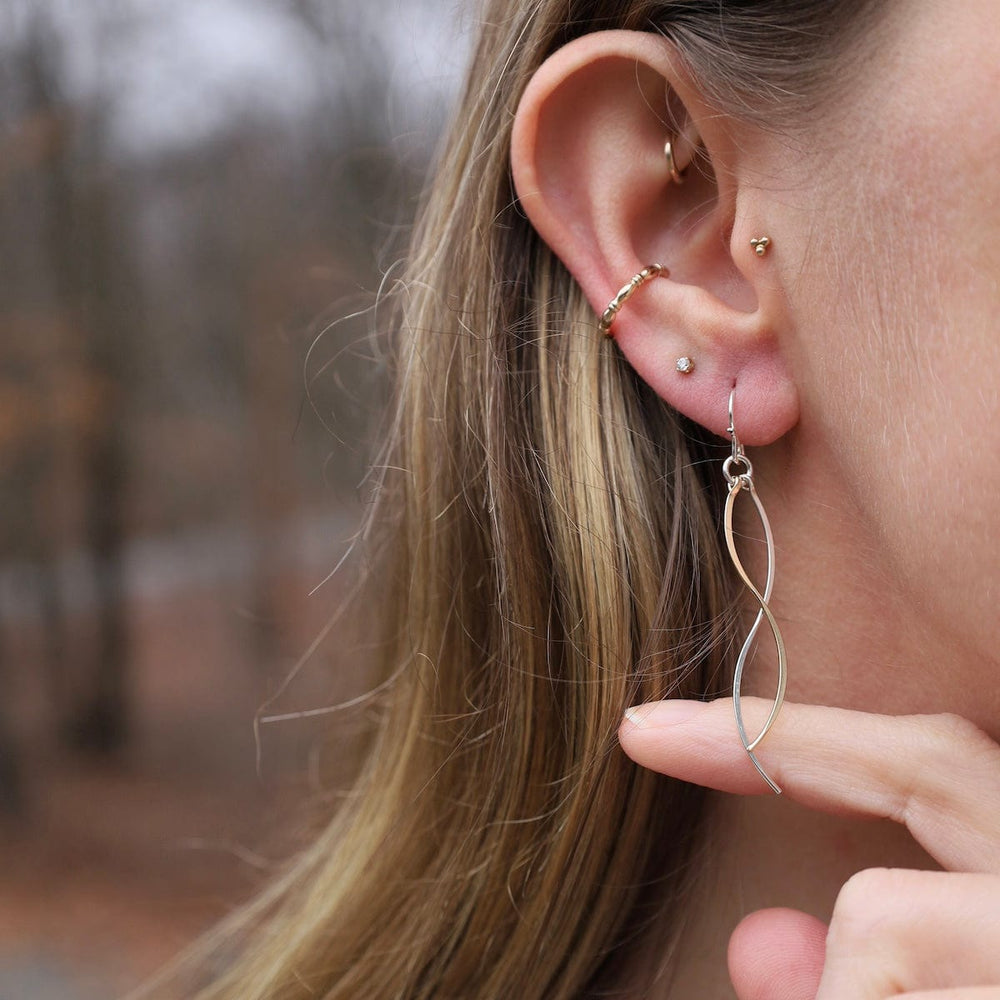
894	933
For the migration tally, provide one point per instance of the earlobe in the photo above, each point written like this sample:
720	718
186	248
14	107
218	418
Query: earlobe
725	348
590	169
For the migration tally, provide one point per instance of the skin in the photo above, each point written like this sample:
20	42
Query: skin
864	357
892	932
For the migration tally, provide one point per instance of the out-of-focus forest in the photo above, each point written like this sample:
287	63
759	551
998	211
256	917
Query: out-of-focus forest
198	202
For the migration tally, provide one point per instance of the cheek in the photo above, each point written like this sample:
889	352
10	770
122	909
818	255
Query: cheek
904	369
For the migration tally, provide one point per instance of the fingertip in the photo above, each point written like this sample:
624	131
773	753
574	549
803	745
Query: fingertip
663	714
656	716
628	730
695	741
777	954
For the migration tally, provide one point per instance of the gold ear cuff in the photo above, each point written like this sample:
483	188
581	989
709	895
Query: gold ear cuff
608	317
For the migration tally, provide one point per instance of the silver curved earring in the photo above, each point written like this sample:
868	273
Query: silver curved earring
739	475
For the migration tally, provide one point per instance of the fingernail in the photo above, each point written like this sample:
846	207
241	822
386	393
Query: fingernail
663	713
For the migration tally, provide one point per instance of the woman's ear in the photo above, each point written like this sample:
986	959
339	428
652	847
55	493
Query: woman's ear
591	173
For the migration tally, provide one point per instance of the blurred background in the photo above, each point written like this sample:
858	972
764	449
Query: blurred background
199	200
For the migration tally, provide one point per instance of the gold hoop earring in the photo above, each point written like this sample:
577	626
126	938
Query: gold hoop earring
614	306
677	176
738	481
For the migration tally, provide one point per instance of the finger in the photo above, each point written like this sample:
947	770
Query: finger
777	955
963	993
937	774
894	931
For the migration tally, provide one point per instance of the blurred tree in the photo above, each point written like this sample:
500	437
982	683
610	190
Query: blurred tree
199	200
90	264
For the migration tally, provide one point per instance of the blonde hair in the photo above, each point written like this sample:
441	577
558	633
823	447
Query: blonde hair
546	548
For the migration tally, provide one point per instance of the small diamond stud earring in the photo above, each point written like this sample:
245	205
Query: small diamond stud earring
685	365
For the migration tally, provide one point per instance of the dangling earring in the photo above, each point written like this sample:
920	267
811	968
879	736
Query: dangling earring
739	475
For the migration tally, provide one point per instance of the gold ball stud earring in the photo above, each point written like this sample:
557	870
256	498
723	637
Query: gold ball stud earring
760	245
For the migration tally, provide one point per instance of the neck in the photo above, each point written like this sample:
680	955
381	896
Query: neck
856	635
855	639
771	852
